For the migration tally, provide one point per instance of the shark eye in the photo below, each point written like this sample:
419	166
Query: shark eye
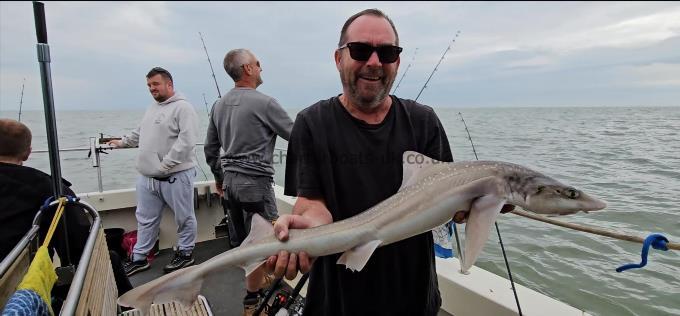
540	189
573	194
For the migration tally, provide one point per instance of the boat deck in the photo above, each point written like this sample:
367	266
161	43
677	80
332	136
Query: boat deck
223	291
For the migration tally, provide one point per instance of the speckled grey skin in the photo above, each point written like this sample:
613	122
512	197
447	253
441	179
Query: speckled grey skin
431	193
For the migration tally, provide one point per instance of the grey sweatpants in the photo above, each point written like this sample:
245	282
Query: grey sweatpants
152	195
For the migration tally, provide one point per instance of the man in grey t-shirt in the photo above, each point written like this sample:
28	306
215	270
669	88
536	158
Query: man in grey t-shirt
245	123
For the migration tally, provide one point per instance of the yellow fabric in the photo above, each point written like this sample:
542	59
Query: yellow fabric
55	222
40	277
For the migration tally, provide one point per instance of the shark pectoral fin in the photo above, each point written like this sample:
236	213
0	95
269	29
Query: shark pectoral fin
356	258
483	213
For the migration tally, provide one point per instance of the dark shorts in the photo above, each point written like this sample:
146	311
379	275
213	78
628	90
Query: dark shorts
245	195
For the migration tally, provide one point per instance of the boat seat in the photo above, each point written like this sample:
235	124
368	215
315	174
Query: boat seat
200	308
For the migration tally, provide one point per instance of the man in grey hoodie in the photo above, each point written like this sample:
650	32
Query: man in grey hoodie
245	123
166	138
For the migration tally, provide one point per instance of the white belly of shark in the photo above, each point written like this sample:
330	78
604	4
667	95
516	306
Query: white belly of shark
430	194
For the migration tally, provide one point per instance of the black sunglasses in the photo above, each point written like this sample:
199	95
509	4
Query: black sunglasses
387	54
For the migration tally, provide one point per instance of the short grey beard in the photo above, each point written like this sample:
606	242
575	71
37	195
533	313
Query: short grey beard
364	104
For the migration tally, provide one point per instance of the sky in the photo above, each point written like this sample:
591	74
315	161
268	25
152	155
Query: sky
508	54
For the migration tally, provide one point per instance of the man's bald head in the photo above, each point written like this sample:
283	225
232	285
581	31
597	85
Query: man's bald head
15	140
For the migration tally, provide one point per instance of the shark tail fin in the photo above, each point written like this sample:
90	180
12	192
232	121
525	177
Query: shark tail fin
260	228
182	286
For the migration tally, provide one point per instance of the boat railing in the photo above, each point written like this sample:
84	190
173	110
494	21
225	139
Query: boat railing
94	259
93	272
16	263
97	147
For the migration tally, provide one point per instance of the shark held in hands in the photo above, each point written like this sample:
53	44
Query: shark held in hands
430	194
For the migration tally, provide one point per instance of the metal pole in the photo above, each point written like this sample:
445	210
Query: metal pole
75	291
459	250
99	172
48	101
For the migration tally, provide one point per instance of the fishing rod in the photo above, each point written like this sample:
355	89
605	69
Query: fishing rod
195	154
437	66
405	71
206	105
211	67
21	100
500	240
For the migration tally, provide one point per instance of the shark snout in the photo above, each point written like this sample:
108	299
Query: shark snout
598	205
590	204
587	206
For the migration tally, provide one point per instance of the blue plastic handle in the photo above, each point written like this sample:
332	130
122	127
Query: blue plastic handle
69	199
657	241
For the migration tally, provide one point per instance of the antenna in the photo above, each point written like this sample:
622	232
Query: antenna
405	71
21	100
435	67
211	67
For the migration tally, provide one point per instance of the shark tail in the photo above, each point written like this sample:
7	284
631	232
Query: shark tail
182	286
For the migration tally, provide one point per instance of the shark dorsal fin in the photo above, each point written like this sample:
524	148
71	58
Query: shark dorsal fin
413	165
259	228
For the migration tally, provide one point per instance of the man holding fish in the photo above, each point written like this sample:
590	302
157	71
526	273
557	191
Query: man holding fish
345	156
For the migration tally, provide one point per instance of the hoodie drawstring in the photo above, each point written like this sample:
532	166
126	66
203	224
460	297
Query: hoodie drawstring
150	185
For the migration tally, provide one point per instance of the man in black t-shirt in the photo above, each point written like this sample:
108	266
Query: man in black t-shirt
344	156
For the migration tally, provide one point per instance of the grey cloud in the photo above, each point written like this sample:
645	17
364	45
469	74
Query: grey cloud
508	54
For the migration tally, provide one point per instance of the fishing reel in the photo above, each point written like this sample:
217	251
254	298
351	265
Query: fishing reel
279	302
98	145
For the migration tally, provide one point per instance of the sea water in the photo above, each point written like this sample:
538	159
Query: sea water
629	157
